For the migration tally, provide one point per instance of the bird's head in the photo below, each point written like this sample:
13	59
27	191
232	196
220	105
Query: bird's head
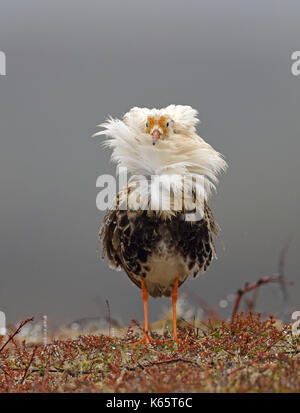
162	141
159	127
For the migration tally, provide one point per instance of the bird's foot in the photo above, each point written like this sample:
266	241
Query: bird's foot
176	339
147	340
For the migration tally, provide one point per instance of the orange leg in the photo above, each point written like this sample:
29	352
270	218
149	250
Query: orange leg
174	301
146	338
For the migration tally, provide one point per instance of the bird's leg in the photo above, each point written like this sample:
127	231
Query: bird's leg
174	301
146	337
145	296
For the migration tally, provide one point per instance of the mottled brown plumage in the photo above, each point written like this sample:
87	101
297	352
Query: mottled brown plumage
132	241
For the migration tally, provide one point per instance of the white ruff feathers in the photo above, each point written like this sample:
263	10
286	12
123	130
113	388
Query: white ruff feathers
182	153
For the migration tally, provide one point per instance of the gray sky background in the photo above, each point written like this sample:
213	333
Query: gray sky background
70	64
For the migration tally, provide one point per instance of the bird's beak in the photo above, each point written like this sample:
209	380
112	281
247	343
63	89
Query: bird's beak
155	136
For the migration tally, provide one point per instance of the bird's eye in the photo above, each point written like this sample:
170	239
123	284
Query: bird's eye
147	125
167	124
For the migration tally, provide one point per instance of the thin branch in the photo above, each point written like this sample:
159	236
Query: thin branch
253	286
171	360
23	323
29	364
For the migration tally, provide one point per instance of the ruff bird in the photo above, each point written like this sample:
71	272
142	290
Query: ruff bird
160	228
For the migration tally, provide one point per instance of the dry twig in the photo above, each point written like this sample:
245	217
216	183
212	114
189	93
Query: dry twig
23	323
253	286
29	364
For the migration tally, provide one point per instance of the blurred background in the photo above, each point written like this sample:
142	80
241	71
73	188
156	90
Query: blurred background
71	64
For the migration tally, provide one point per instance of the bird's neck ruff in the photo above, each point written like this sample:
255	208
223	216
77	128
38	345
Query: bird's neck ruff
183	154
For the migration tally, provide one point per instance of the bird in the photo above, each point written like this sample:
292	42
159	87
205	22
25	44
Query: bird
159	230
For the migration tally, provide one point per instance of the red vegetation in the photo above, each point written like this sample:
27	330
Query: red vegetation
247	354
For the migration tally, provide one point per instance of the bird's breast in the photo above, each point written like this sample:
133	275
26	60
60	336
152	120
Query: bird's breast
164	266
156	250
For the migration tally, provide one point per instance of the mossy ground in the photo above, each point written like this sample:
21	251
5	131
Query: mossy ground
248	355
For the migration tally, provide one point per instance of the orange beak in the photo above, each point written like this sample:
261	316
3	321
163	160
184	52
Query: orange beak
155	136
